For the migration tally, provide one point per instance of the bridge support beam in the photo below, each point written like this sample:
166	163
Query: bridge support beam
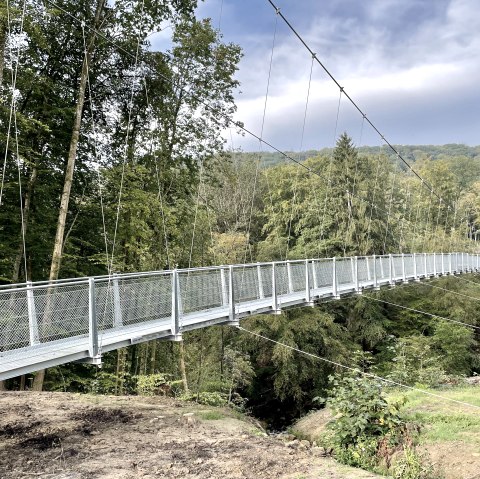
93	351
392	270
335	279
308	295
175	326
232	319
375	279
32	316
358	289
275	306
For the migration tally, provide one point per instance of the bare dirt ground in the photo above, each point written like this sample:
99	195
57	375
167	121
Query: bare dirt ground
69	436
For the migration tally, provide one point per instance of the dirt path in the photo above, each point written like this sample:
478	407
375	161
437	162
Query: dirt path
68	436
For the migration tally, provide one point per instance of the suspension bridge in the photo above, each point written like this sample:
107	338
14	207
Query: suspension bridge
44	324
49	323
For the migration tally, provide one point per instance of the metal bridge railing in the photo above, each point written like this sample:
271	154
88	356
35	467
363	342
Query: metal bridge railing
91	309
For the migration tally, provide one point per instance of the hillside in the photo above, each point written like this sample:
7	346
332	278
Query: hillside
71	436
410	153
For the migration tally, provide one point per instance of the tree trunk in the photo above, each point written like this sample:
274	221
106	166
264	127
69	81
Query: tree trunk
153	356
182	367
3	387
3	43
26	215
72	154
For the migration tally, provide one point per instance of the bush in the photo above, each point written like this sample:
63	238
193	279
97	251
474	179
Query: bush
368	429
363	411
153	385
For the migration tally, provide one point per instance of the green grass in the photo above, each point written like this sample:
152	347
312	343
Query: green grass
211	415
442	420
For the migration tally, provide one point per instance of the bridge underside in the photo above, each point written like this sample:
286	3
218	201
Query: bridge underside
48	324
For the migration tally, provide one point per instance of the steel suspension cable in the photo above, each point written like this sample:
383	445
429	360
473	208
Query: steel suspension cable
13	101
261	142
330	165
472	326
451	291
355	105
127	138
354	186
357	370
389	211
301	148
95	148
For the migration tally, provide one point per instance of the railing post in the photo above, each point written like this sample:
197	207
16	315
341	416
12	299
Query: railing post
261	292
375	280
367	262
231	298
435	265
426	268
404	273
92	321
32	316
334	278
176	333
289	277
314	275
450	263
355	273
463	264
117	308
223	281
443	264
308	293
415	270
275	307
390	260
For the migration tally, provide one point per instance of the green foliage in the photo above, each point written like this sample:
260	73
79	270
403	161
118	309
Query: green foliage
207	398
211	415
414	362
362	411
153	384
412	465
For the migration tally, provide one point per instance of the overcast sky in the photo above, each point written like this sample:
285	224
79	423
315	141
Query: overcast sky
413	66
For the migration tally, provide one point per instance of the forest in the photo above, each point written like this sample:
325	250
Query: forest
114	160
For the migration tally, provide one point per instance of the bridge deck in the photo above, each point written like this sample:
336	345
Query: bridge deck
47	324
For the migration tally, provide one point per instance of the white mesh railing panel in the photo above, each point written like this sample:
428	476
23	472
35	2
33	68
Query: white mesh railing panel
362	269
323	273
420	260
62	311
397	272
128	301
409	266
246	284
430	264
14	325
202	290
298	273
266	275
344	270
281	278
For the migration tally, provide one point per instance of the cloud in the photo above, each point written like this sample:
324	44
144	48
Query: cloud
411	65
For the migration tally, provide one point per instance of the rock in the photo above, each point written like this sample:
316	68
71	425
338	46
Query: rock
474	380
189	419
292	444
304	444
